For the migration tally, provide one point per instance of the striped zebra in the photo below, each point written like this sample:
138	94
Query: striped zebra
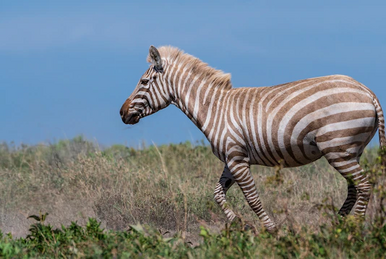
291	124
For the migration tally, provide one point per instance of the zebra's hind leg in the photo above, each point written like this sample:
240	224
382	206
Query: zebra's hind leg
359	187
226	181
350	199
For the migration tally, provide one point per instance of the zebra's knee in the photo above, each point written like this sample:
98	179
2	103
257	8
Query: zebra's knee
219	195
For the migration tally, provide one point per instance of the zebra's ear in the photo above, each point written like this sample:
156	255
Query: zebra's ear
155	59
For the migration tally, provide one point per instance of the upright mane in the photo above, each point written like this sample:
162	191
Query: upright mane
194	65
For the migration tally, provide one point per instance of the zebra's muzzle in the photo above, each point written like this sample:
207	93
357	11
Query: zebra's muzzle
131	118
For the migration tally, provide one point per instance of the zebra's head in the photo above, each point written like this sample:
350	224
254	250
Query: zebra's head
149	96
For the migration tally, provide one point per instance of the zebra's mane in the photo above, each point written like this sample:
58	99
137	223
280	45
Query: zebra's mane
195	66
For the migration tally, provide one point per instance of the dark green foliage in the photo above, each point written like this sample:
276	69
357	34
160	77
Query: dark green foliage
345	239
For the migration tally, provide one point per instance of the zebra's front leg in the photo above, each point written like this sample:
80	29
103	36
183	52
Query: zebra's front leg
225	182
243	177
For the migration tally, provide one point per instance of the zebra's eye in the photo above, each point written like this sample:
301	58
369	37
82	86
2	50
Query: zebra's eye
144	81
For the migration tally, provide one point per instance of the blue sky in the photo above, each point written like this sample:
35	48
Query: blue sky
67	67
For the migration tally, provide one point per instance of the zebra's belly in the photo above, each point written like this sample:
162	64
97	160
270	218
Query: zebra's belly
290	155
307	153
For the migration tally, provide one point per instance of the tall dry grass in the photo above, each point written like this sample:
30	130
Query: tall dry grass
168	187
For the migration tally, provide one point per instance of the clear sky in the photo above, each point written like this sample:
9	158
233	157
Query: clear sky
66	67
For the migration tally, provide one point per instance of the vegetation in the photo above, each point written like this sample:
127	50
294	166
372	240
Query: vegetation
158	202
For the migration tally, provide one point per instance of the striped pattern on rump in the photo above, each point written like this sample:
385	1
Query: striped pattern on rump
291	124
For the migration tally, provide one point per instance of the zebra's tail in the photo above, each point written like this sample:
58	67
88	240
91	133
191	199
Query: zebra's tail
381	132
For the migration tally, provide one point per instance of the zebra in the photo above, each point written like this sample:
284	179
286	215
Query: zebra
287	125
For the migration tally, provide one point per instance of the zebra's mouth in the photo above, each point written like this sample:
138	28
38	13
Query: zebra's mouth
132	118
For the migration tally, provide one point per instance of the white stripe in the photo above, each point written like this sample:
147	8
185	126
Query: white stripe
197	101
225	129
340	164
349	169
187	99
209	114
343	141
233	119
352	124
219	102
256	146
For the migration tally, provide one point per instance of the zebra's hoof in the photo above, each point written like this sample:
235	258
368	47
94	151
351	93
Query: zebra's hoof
272	230
250	227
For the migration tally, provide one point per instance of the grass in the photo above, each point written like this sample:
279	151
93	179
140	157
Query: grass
158	201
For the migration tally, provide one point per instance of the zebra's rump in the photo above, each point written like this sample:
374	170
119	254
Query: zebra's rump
297	123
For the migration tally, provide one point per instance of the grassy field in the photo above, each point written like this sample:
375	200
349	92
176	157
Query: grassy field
158	201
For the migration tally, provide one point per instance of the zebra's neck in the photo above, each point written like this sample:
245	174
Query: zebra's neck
197	96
